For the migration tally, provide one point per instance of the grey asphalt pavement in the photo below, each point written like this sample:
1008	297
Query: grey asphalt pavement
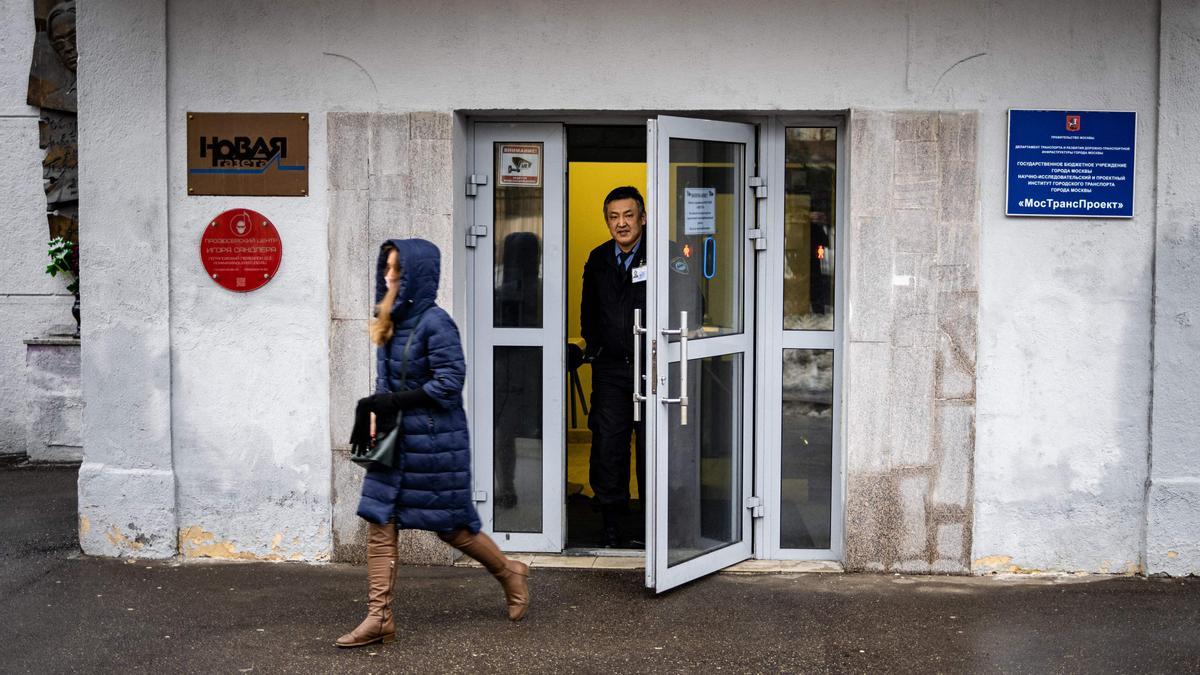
63	612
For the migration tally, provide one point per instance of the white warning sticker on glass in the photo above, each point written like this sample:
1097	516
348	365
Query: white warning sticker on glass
519	164
700	210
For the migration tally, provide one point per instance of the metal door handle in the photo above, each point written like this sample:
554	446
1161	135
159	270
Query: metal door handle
683	369
638	332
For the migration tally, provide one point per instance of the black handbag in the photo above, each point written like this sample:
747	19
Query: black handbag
386	450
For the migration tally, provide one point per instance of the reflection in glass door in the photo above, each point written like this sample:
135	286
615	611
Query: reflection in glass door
517	356
699	305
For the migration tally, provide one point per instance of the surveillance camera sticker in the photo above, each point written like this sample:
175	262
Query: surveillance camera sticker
519	164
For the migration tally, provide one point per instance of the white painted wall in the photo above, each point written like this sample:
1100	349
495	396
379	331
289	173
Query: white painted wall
32	304
1064	353
250	371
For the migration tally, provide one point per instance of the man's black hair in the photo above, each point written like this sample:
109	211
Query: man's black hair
625	192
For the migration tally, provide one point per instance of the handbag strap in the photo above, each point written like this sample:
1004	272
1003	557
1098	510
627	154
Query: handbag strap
404	362
404	355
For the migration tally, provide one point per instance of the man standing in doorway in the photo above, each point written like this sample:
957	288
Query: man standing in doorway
614	285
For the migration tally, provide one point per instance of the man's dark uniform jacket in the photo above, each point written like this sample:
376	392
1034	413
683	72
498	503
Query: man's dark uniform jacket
609	298
606	322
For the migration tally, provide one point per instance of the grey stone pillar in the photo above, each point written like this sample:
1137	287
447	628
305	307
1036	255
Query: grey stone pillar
126	482
910	363
1173	500
390	177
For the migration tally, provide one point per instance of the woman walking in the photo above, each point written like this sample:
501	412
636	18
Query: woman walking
420	374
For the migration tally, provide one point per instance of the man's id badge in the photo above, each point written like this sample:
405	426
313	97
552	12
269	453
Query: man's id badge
639	274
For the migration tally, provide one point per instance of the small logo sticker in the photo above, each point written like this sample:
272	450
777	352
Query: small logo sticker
240	224
680	265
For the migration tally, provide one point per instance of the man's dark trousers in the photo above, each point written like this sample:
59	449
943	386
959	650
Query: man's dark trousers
611	422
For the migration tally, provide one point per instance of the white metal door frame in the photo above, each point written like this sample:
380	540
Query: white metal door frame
764	407
773	340
485	337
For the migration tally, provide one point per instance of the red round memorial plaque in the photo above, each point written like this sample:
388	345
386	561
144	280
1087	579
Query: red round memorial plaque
241	250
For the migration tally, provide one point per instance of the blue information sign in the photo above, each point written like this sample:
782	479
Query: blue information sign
1070	163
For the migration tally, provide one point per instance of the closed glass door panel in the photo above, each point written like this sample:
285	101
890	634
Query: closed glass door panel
802	478
806	485
517	443
809	227
516	323
518	240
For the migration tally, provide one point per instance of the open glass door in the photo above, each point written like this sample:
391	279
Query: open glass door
518	373
698	350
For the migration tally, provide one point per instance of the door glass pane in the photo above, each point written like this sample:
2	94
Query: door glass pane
808	227
806	488
517	442
704	466
518	221
706	236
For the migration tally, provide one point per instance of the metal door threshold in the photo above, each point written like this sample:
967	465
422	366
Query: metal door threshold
615	561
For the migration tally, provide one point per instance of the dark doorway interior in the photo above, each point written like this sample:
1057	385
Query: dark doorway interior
599	158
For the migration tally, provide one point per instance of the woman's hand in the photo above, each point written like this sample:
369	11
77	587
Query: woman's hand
379	412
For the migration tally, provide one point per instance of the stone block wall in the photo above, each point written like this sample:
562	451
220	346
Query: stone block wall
911	338
390	177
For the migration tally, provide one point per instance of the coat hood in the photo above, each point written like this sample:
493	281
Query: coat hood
420	269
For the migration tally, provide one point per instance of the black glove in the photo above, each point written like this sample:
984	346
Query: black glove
383	405
360	435
386	407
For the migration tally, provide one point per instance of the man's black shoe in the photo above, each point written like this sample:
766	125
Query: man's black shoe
611	538
612	528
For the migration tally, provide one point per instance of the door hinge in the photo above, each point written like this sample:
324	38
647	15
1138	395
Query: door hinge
759	237
473	183
756	506
481	495
760	187
474	233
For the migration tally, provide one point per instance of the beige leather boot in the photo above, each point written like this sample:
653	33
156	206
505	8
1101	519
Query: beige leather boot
512	574
381	575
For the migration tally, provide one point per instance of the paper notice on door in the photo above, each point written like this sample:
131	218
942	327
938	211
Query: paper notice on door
700	210
519	164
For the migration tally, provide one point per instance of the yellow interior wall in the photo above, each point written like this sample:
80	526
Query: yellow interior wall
587	185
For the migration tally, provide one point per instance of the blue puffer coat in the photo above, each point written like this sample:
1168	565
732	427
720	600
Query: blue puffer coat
431	488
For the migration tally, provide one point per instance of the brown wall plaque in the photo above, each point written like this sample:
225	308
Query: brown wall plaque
248	154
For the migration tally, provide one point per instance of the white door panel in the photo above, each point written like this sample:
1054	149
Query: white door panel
700	310
517	306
